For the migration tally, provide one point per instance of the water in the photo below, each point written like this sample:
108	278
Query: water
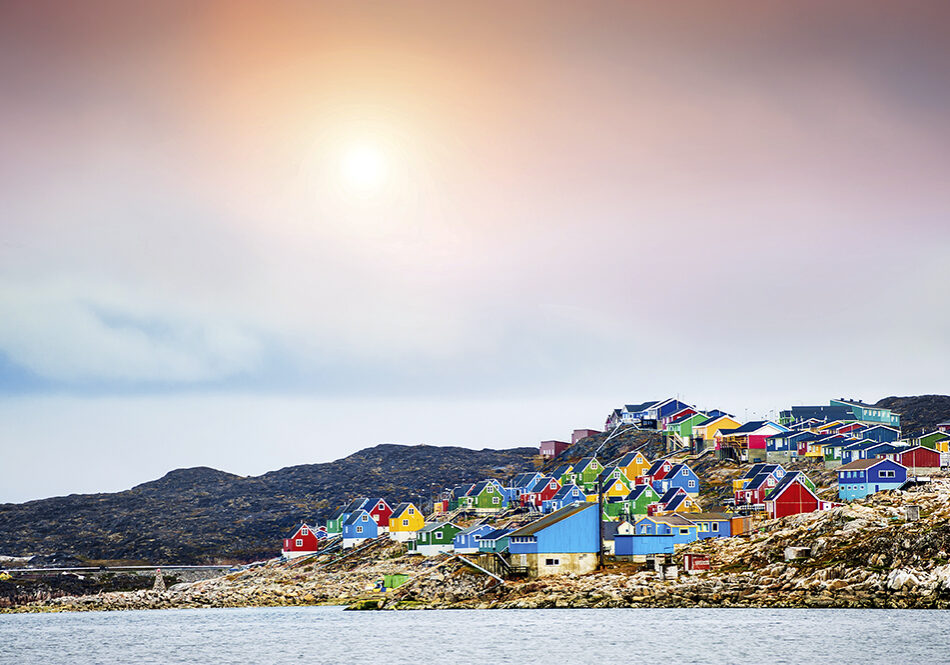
328	635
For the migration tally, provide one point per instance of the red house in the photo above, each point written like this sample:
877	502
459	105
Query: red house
791	496
920	460
380	512
540	492
303	542
583	434
553	448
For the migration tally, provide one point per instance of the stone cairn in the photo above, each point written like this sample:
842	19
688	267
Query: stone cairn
159	581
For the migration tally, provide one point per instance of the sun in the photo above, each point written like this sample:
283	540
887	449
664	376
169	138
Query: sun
363	168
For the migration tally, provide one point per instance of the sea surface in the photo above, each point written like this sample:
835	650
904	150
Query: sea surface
328	635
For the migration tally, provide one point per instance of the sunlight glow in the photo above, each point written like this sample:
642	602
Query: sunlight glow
363	169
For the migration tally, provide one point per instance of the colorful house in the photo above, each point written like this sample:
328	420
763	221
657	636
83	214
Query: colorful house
567	540
935	440
782	448
657	471
678	475
521	484
433	539
704	433
868	413
656	535
495	540
711	525
775	470
674	500
581	434
794	494
357	528
633	465
564	474
586	471
335	522
755	490
881	433
303	543
683	426
746	442
380	511
467	540
405	522
920	460
567	495
867	476
616	488
542	491
486	496
553	448
457	496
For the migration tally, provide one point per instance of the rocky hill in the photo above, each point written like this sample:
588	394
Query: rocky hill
203	515
919	414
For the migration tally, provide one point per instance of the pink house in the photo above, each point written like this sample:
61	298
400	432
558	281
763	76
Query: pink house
583	434
553	448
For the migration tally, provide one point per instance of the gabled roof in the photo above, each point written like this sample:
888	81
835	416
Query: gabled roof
479	487
821	413
883	426
628	458
402	507
637	491
461	490
759	481
886	449
356	517
495	534
355	504
609	470
609	530
671	493
541	484
795	477
686	417
524	479
674	520
642	406
583	463
712	419
566	491
436	526
552	519
862	464
561	470
473	530
756	469
655	467
857	402
337	514
751	426
676	468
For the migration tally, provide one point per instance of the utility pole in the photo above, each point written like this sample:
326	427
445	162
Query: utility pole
600	521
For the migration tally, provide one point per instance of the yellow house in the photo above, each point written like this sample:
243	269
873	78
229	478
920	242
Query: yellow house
680	504
405	522
618	487
708	430
633	465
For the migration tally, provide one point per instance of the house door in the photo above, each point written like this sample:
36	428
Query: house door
877	488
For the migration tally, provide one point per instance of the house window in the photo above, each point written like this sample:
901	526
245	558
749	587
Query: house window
412	511
405	522
887	474
299	542
365	518
495	499
304	531
359	529
692	483
488	489
684	472
684	532
715	526
552	562
438	535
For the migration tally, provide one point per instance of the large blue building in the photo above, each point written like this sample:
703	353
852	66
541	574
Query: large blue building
567	540
862	477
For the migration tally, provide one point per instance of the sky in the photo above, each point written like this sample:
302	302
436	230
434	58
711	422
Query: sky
251	235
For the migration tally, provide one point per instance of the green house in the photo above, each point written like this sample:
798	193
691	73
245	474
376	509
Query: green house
565	474
684	426
931	440
457	496
635	503
485	497
435	538
335	523
586	471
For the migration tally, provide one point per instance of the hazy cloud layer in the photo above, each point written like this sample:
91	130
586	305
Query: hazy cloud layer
744	203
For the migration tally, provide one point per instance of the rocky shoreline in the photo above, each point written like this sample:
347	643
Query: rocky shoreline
862	555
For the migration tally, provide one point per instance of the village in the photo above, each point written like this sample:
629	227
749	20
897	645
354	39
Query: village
573	513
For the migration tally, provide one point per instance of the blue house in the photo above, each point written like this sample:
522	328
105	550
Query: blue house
467	541
521	484
867	476
857	450
358	527
567	540
495	540
656	535
681	476
711	525
564	497
881	434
